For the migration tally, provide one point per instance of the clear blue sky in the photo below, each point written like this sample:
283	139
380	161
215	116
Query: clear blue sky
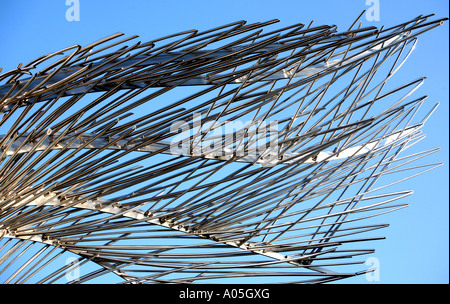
416	248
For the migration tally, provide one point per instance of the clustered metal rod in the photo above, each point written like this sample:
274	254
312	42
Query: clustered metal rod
206	156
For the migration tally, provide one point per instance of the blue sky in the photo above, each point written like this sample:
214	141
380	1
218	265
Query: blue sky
416	245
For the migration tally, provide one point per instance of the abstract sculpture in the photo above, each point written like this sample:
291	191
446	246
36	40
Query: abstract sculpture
205	156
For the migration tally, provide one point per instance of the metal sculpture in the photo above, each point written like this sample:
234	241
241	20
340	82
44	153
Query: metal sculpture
167	193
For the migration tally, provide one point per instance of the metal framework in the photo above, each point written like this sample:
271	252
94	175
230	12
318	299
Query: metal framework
289	195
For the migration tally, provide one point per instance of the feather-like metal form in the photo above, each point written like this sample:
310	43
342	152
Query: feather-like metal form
234	152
